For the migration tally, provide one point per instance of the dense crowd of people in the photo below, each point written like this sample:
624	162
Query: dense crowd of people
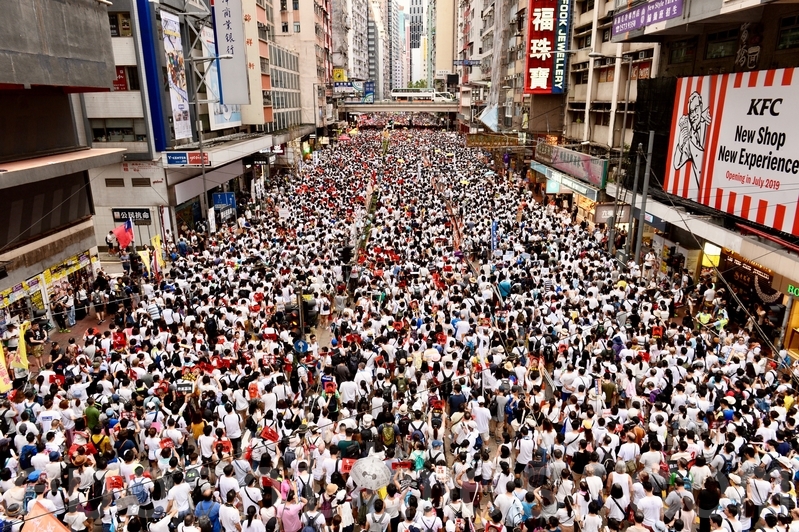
481	345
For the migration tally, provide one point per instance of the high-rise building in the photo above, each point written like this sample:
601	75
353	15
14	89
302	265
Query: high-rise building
379	66
46	148
401	64
395	40
350	39
306	28
418	40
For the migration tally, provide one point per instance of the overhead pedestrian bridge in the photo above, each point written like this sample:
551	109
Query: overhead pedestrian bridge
399	107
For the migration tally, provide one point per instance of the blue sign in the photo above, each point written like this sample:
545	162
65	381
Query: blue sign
493	235
180	157
300	346
369	92
225	198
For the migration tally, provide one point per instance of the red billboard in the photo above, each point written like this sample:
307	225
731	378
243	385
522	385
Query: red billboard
547	42
732	145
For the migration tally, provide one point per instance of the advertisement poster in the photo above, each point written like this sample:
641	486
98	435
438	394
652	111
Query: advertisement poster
220	116
176	75
229	27
548	31
592	170
369	92
642	15
731	145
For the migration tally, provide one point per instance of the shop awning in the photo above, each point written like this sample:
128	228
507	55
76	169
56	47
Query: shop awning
17	173
569	182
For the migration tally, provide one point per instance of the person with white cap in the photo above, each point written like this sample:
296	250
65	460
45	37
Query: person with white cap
428	520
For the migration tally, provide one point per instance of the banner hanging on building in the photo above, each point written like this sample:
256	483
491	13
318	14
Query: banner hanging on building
176	75
580	165
229	29
220	116
731	145
369	92
547	42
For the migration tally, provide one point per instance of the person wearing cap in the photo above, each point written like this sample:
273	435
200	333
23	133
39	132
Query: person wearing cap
429	521
482	417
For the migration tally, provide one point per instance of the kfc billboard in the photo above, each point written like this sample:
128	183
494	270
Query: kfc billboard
547	42
731	145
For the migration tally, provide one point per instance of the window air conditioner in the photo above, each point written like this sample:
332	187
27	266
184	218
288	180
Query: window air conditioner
642	54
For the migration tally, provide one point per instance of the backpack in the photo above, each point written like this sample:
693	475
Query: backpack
313	524
446	384
336	477
515	514
688	480
510	407
388	434
403	424
288	457
438	419
28	451
138	490
31	414
326	507
376	526
402	385
549	353
96	491
204	519
5	426
417	434
493	407
388	396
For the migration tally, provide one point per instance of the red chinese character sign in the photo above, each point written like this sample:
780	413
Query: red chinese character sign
547	42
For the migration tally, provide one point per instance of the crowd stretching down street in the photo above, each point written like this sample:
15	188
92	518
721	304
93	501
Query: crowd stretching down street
473	360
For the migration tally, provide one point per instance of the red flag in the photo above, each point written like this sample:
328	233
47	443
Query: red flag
270	434
124	234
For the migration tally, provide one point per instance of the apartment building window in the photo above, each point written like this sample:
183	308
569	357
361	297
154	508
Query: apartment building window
585	42
263	34
140	182
285	27
789	33
581	78
284	5
296	27
606	35
264	65
118	129
682	51
296	5
114	182
120	24
722	44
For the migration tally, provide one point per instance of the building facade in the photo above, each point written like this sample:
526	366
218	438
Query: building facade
350	39
47	241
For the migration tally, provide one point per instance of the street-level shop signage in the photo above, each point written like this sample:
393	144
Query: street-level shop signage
186	158
640	16
580	165
581	188
547	42
137	216
732	145
603	212
793	290
743	271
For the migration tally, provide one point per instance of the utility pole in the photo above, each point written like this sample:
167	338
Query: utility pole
629	245
644	192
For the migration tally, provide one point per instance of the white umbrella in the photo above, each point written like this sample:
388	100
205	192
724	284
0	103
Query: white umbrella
370	473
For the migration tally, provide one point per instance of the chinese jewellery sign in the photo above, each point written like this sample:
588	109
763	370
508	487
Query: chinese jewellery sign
548	35
732	145
642	15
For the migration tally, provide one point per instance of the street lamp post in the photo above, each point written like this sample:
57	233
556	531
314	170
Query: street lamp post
629	60
196	103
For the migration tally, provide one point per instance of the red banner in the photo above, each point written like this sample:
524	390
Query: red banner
541	25
121	80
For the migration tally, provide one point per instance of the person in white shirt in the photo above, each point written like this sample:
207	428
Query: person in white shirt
651	506
179	496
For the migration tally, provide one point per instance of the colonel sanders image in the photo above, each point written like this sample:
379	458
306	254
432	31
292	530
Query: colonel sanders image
691	141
